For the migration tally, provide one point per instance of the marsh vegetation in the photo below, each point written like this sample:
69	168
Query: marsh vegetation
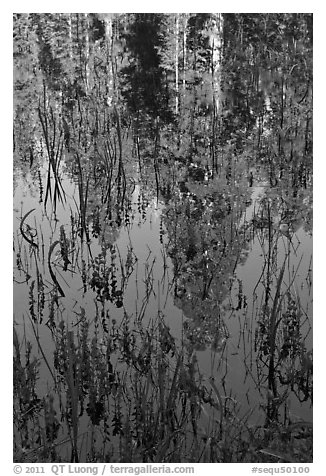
162	238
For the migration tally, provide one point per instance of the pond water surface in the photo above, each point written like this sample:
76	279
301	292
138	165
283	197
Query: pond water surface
162	270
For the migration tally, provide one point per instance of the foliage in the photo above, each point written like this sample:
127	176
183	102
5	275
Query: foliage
165	152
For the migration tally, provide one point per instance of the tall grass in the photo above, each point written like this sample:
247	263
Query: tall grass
140	397
54	140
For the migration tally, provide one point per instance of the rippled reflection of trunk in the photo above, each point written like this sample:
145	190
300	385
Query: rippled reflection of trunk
108	34
87	72
184	51
216	43
177	63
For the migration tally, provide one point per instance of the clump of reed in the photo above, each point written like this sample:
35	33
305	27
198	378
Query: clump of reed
35	419
128	393
282	324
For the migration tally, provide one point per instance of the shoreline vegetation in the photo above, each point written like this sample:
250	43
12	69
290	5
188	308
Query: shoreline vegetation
163	238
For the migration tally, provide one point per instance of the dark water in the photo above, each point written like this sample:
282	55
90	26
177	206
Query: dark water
157	219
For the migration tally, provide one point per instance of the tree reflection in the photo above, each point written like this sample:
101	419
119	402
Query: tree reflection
160	153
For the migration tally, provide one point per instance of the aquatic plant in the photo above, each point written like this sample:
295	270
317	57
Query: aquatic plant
170	173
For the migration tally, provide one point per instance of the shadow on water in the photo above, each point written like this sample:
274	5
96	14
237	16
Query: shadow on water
162	240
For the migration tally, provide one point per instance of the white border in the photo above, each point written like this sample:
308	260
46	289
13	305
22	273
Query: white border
168	6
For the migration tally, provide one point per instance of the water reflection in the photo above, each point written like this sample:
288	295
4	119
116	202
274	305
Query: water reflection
162	252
